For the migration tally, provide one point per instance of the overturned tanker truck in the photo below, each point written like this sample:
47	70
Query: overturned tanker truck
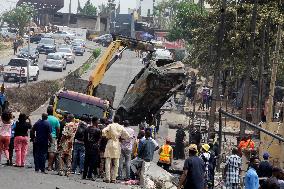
150	89
146	93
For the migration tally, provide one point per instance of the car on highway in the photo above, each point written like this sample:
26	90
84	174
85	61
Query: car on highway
17	69
82	41
55	61
78	48
63	46
63	35
8	33
36	38
104	40
47	35
33	54
68	54
46	45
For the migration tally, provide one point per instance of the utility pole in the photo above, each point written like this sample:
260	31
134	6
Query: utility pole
70	11
248	68
276	59
220	38
29	52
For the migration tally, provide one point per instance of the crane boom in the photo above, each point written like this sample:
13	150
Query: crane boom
108	58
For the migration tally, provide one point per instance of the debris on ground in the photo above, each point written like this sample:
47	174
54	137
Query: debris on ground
154	177
28	98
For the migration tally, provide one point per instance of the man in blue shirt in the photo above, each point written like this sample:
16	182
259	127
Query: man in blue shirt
40	136
251	178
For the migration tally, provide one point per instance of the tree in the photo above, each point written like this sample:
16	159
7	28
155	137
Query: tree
103	9
89	9
19	17
199	30
164	12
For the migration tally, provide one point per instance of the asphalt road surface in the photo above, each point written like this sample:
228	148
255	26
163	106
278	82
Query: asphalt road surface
121	74
51	75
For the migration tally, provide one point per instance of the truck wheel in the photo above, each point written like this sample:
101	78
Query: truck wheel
121	112
36	77
6	78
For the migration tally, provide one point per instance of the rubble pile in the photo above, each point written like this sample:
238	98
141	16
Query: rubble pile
28	98
154	177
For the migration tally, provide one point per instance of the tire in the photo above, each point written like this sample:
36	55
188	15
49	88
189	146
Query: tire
5	78
61	70
121	112
36	77
44	68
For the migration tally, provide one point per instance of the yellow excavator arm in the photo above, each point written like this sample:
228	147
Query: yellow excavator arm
107	58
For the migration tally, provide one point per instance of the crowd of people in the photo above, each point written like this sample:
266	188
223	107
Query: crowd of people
90	147
112	150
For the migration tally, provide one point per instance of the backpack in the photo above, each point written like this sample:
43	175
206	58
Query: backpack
80	133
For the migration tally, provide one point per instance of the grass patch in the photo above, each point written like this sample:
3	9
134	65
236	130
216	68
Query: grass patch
97	52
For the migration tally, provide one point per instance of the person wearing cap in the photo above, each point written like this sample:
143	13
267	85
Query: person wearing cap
265	168
193	171
65	147
205	156
166	155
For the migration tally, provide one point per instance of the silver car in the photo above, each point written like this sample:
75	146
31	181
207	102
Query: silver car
68	54
78	48
55	61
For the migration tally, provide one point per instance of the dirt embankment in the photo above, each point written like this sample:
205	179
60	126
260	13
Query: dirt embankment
28	98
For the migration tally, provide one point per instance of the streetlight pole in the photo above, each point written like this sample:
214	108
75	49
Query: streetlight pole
29	53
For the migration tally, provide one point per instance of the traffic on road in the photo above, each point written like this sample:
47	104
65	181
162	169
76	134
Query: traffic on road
48	59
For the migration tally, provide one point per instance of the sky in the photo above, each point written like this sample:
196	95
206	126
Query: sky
124	4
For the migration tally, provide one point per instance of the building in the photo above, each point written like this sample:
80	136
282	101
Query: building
146	7
45	9
124	25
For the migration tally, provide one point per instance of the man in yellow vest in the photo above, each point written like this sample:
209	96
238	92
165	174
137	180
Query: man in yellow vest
166	155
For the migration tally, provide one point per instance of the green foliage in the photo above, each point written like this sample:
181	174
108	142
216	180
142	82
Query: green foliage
97	52
89	9
188	17
19	17
199	30
164	12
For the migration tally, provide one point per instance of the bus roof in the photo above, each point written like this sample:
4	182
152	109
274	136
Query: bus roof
84	98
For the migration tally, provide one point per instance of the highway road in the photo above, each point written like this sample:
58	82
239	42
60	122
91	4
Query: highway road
50	75
121	74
